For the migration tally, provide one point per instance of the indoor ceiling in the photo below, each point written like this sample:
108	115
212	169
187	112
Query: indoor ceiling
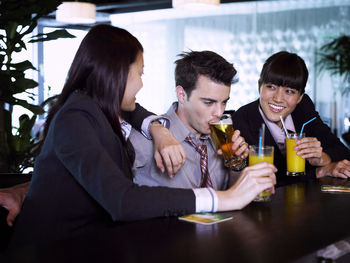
104	8
122	6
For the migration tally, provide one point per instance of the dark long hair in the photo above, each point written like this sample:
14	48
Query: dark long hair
285	69
100	69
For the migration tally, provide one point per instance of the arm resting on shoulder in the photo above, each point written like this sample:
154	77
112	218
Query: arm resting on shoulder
136	117
168	151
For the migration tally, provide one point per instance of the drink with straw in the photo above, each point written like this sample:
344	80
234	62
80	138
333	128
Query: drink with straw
221	135
258	154
265	154
295	163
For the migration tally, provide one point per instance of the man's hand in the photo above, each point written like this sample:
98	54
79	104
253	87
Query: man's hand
239	145
168	151
252	181
12	199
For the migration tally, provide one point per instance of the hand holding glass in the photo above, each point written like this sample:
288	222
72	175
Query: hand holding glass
221	135
265	154
295	163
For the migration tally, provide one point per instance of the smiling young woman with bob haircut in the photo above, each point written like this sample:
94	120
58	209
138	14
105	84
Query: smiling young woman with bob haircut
282	93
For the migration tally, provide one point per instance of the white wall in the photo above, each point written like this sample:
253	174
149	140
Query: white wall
244	33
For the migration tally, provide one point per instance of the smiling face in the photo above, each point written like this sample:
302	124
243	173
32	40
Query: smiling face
133	84
277	100
205	105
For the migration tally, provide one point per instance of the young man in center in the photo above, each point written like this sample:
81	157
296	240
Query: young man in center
203	83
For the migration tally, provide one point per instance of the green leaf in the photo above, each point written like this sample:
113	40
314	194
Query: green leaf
61	33
5	84
18	19
22	45
36	109
24	84
26	125
334	56
22	66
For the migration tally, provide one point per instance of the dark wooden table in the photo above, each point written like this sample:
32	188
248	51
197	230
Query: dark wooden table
298	221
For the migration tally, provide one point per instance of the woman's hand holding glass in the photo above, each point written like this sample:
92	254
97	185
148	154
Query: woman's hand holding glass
310	149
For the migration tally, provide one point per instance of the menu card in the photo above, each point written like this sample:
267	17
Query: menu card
205	218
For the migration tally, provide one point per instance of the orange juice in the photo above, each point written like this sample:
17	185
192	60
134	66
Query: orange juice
266	155
253	159
295	163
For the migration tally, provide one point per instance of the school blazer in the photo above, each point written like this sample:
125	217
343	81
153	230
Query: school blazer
81	180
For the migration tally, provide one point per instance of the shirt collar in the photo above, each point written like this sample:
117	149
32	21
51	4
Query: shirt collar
126	128
278	133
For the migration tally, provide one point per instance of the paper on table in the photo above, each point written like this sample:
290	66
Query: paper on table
335	188
205	218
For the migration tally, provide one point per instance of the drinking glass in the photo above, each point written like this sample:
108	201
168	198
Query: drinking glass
264	155
221	135
295	163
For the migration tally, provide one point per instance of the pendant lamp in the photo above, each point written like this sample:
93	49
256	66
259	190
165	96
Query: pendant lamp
76	13
195	4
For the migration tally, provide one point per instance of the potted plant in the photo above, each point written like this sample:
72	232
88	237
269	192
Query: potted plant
18	19
334	57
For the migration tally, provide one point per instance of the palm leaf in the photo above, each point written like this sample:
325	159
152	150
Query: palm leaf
51	36
334	57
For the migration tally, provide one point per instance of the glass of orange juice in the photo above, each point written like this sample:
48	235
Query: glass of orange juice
265	155
295	163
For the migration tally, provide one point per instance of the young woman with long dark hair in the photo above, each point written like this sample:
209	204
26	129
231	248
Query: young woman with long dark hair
82	178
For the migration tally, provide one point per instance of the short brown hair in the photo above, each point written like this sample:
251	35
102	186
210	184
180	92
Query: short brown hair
205	63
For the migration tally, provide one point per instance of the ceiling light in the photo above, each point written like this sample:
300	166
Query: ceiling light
76	13
195	4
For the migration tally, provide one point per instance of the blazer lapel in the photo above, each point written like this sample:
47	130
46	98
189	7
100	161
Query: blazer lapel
255	120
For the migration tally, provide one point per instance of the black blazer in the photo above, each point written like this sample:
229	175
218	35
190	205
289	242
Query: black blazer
248	120
81	180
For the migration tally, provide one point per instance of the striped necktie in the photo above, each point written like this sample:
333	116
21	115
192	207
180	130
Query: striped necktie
202	150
